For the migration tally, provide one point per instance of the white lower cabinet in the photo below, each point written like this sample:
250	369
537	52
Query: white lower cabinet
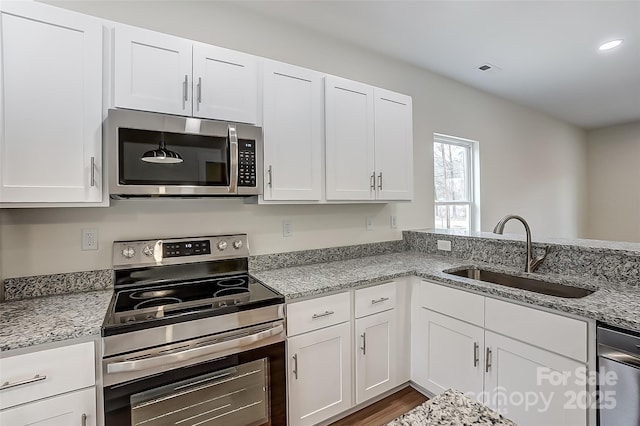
451	353
319	374
524	383
75	408
530	384
376	353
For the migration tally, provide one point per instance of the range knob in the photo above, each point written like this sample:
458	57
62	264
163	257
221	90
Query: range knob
148	251
237	244
128	252
222	245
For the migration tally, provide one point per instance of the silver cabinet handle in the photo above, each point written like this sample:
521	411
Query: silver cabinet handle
232	136
8	385
185	87
156	361
382	299
380	181
295	365
322	315
476	354
93	171
364	343
84	419
488	361
199	90
372	181
269	173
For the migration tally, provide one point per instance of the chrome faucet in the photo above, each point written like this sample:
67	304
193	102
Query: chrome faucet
532	263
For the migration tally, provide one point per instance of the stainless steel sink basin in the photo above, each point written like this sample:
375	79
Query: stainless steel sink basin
529	284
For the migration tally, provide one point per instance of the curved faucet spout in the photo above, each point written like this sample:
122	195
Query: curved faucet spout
532	263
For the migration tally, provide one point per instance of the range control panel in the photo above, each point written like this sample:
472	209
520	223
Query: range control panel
186	248
170	251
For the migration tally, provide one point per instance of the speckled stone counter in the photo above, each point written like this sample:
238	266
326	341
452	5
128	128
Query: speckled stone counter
30	322
451	408
612	303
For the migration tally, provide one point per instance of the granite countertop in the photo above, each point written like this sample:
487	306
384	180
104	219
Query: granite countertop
612	303
451	408
30	322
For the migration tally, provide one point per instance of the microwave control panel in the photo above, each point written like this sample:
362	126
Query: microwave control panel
246	163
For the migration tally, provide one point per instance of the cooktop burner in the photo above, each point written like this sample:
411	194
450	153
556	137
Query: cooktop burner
152	290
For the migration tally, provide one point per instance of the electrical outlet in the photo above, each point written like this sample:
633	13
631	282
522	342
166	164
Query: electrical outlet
369	223
444	245
287	228
394	221
90	239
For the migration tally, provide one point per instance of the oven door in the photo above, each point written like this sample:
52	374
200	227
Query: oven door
245	388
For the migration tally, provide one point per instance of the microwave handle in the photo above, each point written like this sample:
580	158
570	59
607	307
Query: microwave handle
233	148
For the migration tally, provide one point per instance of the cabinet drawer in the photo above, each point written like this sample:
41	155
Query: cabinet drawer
67	409
60	370
318	313
375	299
565	336
459	304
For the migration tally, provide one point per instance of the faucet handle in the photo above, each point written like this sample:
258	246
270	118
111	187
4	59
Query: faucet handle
537	261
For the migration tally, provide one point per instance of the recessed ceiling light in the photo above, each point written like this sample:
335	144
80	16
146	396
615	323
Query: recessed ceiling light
610	44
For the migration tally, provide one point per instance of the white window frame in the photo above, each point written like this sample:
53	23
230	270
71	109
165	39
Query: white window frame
473	183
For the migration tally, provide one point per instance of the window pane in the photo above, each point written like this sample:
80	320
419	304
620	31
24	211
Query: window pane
452	216
451	167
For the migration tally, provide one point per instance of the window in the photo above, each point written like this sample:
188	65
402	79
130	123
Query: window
456	192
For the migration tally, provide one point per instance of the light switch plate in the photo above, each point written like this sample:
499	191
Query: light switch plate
444	245
287	228
394	221
369	223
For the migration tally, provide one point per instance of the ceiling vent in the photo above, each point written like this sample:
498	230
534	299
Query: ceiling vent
489	68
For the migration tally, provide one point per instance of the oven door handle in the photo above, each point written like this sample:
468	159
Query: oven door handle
188	354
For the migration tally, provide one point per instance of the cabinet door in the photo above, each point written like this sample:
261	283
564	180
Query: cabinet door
75	408
51	105
527	384
393	145
449	354
225	84
376	350
350	140
292	126
152	71
319	374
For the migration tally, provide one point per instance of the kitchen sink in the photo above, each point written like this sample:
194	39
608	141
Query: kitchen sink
530	284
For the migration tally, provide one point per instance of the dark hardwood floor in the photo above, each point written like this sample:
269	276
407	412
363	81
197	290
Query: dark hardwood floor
384	410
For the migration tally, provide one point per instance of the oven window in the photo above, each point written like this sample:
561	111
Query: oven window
205	159
233	396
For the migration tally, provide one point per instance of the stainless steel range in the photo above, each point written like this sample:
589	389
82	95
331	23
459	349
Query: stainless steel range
191	338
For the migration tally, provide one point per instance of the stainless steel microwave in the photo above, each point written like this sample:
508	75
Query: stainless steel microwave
158	155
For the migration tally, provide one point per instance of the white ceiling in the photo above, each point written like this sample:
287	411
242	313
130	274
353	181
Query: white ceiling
547	50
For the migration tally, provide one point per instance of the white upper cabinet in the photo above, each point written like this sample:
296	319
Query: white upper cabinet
293	132
152	71
394	145
51	105
369	146
167	74
350	140
225	84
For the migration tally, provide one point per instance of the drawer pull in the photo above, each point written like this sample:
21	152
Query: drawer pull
322	315
36	378
83	419
382	299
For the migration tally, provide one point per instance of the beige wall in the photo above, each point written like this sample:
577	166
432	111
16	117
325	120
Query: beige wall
531	164
613	156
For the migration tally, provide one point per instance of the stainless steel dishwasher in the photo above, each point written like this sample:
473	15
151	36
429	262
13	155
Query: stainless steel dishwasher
619	377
